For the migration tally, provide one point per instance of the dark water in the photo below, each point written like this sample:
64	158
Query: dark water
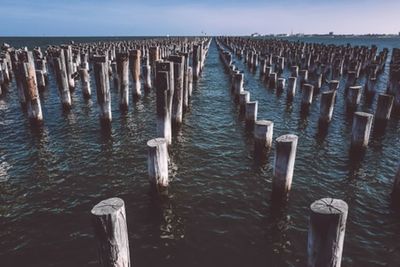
219	211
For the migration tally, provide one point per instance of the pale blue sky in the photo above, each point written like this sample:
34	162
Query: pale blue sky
178	17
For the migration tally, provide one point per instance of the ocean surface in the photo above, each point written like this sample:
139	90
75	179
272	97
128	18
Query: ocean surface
218	211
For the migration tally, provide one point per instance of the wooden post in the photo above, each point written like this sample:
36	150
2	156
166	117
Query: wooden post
123	78
163	115
326	232
285	156
291	90
327	105
353	96
384	107
135	56
169	67
303	74
263	132
109	223
157	162
31	89
69	65
294	70
244	97
147	75
41	80
102	78
185	87
196	62
238	84
85	79
333	84
177	102
62	79
251	112
281	84
361	130
308	93
190	82
272	80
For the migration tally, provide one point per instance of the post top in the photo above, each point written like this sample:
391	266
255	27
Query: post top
287	138
264	123
363	114
156	142
308	86
108	206
329	206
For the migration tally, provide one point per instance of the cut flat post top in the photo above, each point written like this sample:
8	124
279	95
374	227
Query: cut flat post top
326	232
109	221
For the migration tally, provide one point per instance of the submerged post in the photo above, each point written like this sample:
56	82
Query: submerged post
326	232
109	223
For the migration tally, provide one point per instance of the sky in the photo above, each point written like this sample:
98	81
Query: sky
191	17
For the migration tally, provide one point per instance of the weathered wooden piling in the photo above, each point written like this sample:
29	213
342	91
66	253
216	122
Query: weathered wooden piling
326	232
285	155
157	162
291	89
361	129
327	105
169	67
263	132
69	65
307	95
244	97
111	231
134	58
34	107
163	114
281	84
196	61
147	75
123	77
40	78
353	97
238	82
333	84
251	112
272	81
294	71
177	103
303	75
85	80
190	82
384	107
101	74
62	79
